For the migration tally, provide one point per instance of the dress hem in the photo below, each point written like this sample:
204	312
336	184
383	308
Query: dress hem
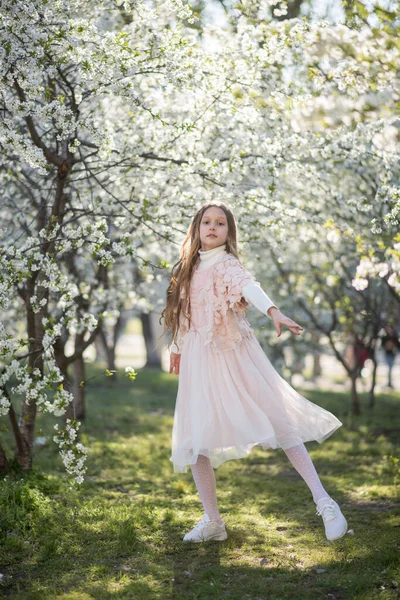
218	456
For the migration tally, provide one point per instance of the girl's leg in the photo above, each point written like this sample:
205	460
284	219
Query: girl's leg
334	522
301	460
204	478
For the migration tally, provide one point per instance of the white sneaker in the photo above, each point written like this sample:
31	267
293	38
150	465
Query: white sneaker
334	521
206	530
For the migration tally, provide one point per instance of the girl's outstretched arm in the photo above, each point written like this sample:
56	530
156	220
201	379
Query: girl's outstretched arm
253	292
280	319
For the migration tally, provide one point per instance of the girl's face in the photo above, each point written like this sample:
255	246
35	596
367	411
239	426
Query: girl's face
213	228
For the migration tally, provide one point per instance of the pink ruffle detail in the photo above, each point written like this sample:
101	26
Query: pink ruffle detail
226	323
225	318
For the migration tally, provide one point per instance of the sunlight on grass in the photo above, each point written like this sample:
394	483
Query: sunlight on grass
119	536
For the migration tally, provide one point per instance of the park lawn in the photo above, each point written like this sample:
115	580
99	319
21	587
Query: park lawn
119	536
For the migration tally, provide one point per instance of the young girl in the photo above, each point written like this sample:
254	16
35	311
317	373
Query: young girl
230	397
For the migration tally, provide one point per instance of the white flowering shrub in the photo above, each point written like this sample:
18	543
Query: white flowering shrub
81	104
73	454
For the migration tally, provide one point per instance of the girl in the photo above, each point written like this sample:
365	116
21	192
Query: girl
230	397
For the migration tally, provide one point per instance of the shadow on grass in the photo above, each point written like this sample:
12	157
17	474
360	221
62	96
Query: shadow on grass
120	535
202	573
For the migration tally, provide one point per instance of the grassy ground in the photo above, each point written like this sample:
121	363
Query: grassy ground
119	536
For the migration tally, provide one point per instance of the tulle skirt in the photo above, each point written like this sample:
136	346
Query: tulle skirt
229	402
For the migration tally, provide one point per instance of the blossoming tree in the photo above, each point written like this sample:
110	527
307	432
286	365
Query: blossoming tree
81	105
115	128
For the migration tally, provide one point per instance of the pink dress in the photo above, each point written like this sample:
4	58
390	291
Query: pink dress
228	402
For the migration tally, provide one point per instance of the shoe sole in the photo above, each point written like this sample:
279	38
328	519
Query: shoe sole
220	537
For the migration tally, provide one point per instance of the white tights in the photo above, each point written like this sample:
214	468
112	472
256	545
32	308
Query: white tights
303	464
204	478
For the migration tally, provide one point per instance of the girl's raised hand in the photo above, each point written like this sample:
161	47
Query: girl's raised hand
175	361
280	319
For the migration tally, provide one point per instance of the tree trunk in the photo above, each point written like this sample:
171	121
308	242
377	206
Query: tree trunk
118	328
26	425
371	393
4	465
110	346
293	10
316	356
23	454
153	355
34	287
78	367
101	354
109	349
62	363
317	370
355	399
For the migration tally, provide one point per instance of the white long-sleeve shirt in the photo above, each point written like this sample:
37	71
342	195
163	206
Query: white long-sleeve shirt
252	292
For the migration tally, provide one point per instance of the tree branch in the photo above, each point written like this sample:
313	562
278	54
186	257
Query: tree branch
51	157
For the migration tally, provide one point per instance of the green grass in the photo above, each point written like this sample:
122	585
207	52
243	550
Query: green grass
119	536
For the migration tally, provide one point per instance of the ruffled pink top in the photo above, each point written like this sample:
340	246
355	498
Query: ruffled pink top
215	304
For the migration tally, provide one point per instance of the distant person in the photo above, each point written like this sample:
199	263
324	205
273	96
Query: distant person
361	354
390	343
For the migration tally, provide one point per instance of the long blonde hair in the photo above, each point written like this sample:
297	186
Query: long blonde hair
182	270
